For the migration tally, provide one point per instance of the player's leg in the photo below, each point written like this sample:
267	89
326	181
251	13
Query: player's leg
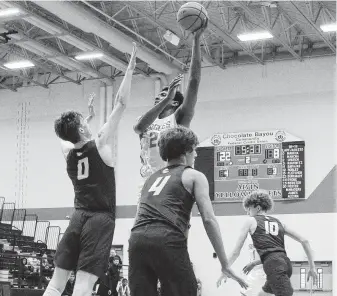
58	282
84	283
95	243
278	274
66	255
175	270
142	278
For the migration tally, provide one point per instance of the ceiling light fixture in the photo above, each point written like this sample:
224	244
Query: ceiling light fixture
255	36
19	64
89	56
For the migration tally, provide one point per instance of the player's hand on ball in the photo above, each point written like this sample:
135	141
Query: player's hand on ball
228	272
248	268
198	33
312	274
132	63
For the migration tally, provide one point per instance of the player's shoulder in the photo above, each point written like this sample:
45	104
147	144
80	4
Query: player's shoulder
193	173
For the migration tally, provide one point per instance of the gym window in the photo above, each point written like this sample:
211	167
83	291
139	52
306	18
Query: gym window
302	278
319	283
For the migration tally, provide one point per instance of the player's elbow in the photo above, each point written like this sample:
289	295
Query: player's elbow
137	129
304	242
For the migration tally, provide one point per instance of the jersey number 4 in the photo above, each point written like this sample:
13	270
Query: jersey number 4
83	169
159	184
271	227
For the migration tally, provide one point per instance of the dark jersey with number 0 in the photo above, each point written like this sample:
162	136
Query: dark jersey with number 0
93	180
268	236
164	199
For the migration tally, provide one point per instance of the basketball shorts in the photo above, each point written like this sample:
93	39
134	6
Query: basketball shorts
278	269
86	243
158	252
255	280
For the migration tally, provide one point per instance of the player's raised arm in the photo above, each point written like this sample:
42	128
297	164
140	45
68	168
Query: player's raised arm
107	132
307	249
150	116
185	112
201	194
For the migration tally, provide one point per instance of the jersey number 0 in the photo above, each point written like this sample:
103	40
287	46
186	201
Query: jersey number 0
83	169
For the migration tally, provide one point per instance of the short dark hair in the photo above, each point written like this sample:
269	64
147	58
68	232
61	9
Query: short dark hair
67	125
175	142
259	198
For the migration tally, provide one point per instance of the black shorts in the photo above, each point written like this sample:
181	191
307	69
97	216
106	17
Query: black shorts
158	252
278	269
86	243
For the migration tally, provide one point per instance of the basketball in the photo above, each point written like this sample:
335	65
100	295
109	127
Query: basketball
192	16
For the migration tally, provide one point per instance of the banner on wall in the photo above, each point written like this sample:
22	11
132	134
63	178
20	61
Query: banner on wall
238	163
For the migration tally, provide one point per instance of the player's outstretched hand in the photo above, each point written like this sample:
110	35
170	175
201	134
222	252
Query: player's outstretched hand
175	82
91	104
132	63
312	274
229	273
248	268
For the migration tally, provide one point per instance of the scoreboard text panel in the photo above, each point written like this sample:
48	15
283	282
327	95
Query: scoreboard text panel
245	162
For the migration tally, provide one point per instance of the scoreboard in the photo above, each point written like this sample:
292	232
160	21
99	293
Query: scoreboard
236	164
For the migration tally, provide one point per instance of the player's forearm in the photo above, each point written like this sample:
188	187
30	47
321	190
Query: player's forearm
186	111
308	252
213	231
150	116
232	258
195	70
124	91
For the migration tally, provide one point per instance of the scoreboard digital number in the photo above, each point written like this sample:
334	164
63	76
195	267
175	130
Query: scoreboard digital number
238	163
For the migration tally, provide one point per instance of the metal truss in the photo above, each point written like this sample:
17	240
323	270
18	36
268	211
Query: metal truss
312	21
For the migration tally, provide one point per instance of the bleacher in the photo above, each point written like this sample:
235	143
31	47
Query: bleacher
27	247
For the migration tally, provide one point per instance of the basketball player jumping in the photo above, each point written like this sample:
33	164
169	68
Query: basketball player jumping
158	241
171	108
87	241
267	234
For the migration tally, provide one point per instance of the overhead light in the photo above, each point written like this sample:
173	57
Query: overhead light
171	37
9	12
19	64
329	28
89	56
255	36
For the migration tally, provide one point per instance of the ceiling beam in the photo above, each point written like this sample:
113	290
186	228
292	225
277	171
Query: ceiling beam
155	46
25	78
81	66
6	86
121	65
158	23
314	26
255	17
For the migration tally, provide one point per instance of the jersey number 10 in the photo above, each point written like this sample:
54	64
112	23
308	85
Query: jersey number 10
83	168
271	227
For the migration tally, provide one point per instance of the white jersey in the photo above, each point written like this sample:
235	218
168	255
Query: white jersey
150	157
256	278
